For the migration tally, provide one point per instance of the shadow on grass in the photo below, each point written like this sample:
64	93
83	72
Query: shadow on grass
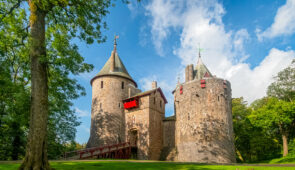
286	160
128	165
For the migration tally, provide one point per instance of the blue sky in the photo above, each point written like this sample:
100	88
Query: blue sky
246	42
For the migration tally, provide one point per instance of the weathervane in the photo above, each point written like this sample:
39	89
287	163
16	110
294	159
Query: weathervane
115	39
115	42
200	49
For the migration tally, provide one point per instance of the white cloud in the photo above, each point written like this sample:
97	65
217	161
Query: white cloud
201	22
160	12
82	113
284	22
252	84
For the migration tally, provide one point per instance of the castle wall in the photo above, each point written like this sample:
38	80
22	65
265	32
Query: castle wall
168	152
138	119
147	121
169	133
107	112
156	114
204	131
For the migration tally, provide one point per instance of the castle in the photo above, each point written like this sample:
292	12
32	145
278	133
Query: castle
200	131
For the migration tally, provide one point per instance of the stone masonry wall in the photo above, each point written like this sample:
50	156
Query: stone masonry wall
147	121
107	111
156	114
138	119
168	151
169	133
204	131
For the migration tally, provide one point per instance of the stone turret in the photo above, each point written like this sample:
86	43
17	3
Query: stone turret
203	126
109	87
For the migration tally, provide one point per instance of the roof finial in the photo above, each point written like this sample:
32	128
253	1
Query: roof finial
200	49
115	42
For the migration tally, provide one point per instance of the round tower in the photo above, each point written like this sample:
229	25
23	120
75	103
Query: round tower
109	88
204	127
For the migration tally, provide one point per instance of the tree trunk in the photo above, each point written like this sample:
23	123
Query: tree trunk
36	150
285	144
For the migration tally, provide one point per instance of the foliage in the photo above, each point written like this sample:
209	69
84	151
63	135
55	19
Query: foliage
284	86
273	114
275	118
65	21
14	89
250	141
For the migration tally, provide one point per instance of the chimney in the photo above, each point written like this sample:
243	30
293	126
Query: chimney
186	74
154	85
190	72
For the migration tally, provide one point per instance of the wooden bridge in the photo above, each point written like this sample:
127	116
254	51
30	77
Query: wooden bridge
117	151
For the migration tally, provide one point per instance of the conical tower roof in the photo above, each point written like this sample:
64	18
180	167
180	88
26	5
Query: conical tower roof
201	70
118	68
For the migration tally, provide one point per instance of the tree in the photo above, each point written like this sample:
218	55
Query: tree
251	142
52	26
284	85
275	116
242	127
283	88
14	90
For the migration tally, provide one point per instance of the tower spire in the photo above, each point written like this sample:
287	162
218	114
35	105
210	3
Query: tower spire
115	42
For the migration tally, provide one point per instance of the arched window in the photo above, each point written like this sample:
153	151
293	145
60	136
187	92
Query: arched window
101	84
122	85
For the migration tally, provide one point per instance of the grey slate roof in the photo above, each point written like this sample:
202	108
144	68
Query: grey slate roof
201	69
120	69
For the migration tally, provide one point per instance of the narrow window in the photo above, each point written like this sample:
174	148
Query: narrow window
122	85
101	84
161	103
188	116
218	98
119	105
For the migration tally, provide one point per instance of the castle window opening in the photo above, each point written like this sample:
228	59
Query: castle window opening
122	85
101	84
160	103
218	98
119	105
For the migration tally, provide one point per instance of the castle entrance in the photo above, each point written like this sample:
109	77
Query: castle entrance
133	139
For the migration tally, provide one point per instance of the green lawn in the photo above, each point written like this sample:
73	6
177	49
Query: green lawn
121	165
288	159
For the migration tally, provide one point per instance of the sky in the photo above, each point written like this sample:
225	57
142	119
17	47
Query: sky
246	42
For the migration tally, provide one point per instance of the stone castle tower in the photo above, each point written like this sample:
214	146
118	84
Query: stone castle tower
109	87
203	118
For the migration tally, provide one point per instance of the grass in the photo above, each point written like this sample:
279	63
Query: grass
122	165
288	159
